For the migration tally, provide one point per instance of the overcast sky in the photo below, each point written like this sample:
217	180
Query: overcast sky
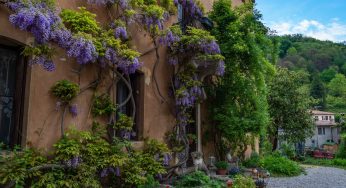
321	19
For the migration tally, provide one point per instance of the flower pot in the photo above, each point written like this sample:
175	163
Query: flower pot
191	141
221	171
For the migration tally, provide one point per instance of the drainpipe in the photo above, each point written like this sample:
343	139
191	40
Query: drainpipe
199	128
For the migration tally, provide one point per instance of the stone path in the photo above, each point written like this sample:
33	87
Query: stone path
316	177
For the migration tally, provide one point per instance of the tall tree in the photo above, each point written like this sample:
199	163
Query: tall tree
337	93
239	104
289	108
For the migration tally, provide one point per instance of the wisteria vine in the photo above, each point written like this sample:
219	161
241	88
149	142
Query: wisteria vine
189	48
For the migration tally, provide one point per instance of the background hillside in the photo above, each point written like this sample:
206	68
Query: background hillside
323	66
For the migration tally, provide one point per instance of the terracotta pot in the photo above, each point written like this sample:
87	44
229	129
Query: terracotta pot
221	171
191	141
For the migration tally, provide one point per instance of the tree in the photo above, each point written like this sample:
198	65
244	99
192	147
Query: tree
328	74
318	90
239	104
337	93
337	86
288	108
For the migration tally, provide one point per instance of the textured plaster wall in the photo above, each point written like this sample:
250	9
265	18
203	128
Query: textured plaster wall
42	121
42	128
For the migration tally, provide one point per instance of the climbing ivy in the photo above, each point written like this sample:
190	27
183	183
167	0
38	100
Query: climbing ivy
238	103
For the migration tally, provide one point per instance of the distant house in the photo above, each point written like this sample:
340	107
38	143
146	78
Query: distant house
325	129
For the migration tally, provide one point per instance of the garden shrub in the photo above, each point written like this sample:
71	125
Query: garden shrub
85	159
342	148
243	182
288	150
253	161
198	179
278	165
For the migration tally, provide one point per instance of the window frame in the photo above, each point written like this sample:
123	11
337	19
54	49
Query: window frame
16	132
321	131
137	85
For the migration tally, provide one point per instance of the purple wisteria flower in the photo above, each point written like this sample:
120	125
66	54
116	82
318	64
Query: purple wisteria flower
111	55
74	162
173	61
110	170
191	9
220	70
123	4
63	37
49	66
129	67
166	158
120	33
15	6
36	18
101	2
83	50
210	48
73	110
151	21
169	39
125	134
43	61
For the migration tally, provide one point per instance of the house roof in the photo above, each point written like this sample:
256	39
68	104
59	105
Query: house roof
317	112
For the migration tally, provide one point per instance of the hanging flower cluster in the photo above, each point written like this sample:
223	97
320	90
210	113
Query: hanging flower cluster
83	50
35	17
110	170
192	9
190	51
148	13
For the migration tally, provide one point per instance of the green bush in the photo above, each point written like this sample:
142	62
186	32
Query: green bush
65	90
243	182
288	150
342	148
280	166
84	159
102	105
253	161
198	179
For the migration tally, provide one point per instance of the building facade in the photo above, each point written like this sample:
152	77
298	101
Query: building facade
29	115
325	130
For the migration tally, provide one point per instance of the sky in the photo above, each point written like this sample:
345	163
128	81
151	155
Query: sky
321	19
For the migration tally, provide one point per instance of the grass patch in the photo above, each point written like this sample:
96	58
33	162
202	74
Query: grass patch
338	163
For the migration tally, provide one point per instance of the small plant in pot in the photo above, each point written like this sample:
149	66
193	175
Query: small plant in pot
260	183
192	138
234	171
222	167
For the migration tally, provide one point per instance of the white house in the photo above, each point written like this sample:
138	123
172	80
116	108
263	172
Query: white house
325	129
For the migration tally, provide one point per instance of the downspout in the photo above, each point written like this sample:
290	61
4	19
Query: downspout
199	127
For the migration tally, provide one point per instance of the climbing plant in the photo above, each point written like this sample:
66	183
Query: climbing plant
238	103
104	157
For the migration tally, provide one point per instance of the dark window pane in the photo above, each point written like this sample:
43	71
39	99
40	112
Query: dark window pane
8	59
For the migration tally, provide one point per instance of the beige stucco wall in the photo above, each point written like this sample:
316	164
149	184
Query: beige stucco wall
42	121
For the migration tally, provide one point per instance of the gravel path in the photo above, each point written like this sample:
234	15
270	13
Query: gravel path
316	177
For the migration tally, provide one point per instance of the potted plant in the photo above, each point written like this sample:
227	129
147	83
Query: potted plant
260	183
222	167
192	138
